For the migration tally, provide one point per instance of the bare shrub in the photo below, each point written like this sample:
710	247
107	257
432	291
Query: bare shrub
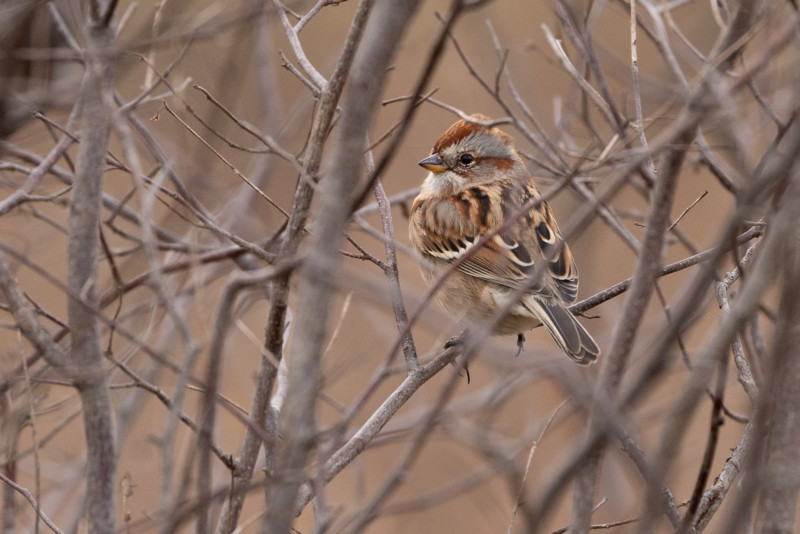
203	256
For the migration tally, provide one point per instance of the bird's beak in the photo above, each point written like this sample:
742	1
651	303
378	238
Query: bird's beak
433	163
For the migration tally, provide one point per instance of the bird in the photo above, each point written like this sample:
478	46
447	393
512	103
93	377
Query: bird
480	209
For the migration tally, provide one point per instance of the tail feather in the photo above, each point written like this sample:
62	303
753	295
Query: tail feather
567	332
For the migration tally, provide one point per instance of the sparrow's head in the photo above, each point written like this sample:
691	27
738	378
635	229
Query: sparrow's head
469	153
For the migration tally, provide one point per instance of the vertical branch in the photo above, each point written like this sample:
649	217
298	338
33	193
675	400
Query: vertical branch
298	418
258	421
401	317
169	301
638	123
778	484
711	446
648	267
649	261
205	435
86	355
456	9
276	328
305	188
760	278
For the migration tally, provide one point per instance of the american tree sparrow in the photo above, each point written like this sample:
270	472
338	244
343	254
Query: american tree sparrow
476	185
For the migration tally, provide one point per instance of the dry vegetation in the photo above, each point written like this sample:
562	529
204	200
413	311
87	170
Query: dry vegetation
212	319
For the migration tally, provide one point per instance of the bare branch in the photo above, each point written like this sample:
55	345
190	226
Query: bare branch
291	33
409	350
28	497
86	355
624	121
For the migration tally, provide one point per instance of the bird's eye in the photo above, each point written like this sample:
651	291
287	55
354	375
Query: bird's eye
466	159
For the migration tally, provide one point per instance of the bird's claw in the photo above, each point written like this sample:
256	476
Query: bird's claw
520	343
454	342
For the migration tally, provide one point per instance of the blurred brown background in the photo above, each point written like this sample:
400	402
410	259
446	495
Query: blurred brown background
459	482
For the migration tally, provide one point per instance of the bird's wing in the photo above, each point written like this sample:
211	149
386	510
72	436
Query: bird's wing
471	227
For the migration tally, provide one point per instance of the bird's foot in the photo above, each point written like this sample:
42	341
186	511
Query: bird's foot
520	344
463	365
455	341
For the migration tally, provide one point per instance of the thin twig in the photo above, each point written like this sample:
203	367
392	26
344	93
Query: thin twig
684	212
222	158
291	33
531	452
28	497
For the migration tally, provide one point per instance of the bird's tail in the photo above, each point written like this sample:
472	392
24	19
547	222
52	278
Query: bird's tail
565	329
